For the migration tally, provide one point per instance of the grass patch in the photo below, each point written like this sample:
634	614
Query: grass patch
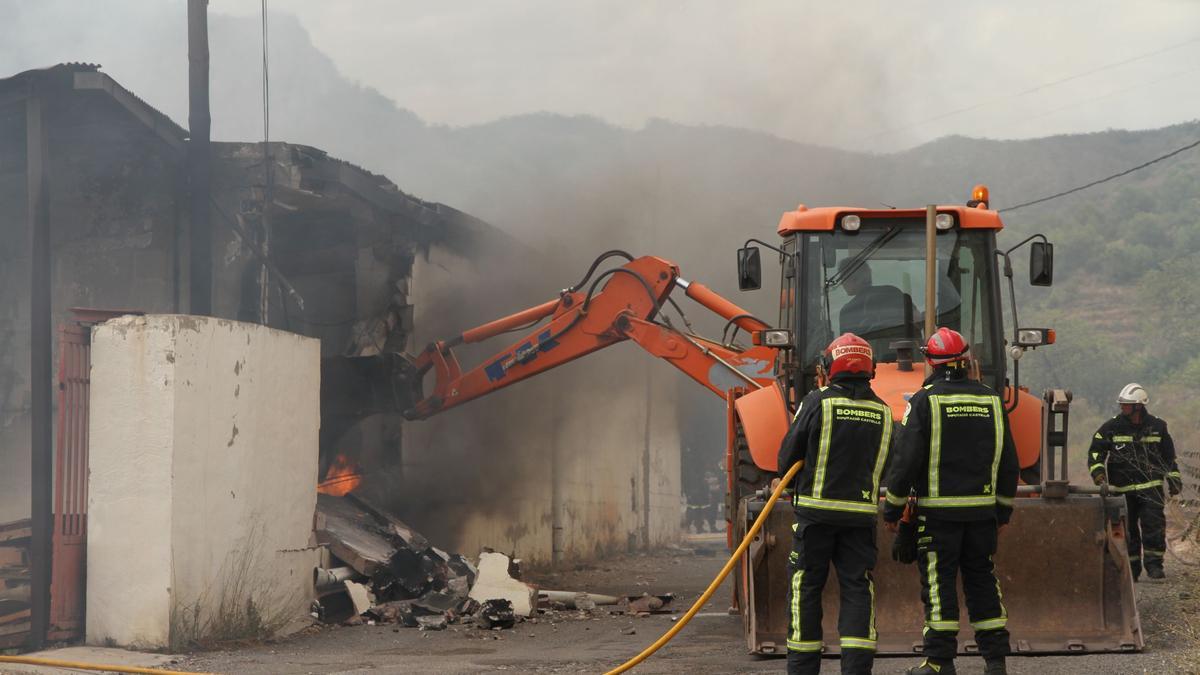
237	607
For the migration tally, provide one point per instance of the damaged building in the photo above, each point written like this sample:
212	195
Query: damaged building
578	463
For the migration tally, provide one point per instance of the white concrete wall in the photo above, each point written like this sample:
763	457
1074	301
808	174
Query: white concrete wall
203	471
490	472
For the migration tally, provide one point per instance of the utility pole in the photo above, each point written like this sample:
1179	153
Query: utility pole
199	168
40	356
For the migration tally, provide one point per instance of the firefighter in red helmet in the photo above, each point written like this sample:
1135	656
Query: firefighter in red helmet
954	449
842	432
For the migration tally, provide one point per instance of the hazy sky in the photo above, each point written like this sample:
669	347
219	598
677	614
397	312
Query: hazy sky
855	74
847	73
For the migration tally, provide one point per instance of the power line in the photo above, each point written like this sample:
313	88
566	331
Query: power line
1094	183
1035	89
1110	94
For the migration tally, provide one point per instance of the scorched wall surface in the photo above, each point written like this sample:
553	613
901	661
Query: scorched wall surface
571	464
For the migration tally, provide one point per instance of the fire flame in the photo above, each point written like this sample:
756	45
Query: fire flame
342	478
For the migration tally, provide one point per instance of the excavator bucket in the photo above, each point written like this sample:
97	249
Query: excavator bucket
1062	565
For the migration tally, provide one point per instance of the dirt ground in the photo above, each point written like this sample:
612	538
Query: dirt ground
568	642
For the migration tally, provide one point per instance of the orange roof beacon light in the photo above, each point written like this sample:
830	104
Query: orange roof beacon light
979	197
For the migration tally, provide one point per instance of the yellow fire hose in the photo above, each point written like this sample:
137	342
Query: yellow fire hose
658	644
79	665
712	588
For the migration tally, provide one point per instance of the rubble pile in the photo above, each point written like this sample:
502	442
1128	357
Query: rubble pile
383	571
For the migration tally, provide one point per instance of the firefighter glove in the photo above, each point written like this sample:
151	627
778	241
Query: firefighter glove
1099	479
904	546
1174	485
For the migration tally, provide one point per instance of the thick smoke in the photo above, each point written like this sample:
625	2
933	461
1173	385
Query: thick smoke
571	187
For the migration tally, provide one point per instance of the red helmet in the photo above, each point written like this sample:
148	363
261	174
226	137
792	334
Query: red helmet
945	346
849	354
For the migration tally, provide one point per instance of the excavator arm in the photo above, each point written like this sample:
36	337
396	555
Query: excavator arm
629	306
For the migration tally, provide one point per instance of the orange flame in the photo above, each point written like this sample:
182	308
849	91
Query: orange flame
342	478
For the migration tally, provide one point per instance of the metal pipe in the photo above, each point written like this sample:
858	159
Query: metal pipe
328	579
930	274
569	598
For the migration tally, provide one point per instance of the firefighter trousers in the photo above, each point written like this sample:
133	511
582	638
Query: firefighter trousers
946	547
1147	539
852	551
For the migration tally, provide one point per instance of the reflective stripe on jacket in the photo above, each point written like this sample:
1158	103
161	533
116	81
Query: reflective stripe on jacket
1133	456
843	432
954	447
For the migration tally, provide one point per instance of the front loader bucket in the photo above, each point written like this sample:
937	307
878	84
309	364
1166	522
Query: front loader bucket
1062	564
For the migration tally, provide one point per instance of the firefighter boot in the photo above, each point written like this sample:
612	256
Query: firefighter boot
994	666
1155	572
1136	567
934	667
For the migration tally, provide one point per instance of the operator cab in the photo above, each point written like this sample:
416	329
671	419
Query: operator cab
846	269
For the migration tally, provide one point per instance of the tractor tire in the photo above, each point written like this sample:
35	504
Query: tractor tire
748	477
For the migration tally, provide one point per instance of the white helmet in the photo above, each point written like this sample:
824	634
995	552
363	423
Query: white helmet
1133	393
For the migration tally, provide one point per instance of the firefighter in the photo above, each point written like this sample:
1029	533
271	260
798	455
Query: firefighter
1133	453
842	432
955	451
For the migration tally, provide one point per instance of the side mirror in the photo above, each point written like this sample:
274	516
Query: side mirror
1041	263
749	269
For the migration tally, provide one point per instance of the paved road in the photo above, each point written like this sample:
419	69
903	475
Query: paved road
711	644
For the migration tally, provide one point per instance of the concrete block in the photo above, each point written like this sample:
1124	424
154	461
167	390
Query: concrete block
203	467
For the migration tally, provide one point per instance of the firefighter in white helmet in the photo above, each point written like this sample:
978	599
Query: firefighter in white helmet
1135	455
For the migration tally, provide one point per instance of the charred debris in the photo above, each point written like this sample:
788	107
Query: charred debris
383	571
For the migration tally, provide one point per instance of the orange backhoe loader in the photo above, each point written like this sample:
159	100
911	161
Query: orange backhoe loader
886	275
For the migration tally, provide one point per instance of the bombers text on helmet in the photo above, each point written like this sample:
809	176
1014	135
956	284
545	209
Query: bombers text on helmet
945	346
849	354
1133	393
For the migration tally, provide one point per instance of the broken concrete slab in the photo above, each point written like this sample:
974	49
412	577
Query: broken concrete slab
495	582
352	534
359	596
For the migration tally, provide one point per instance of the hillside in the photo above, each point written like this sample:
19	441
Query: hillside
574	186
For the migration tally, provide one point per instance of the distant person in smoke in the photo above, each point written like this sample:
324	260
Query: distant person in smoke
695	490
716	494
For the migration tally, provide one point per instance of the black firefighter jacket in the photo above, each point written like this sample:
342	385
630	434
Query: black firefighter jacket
1138	456
843	433
955	448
